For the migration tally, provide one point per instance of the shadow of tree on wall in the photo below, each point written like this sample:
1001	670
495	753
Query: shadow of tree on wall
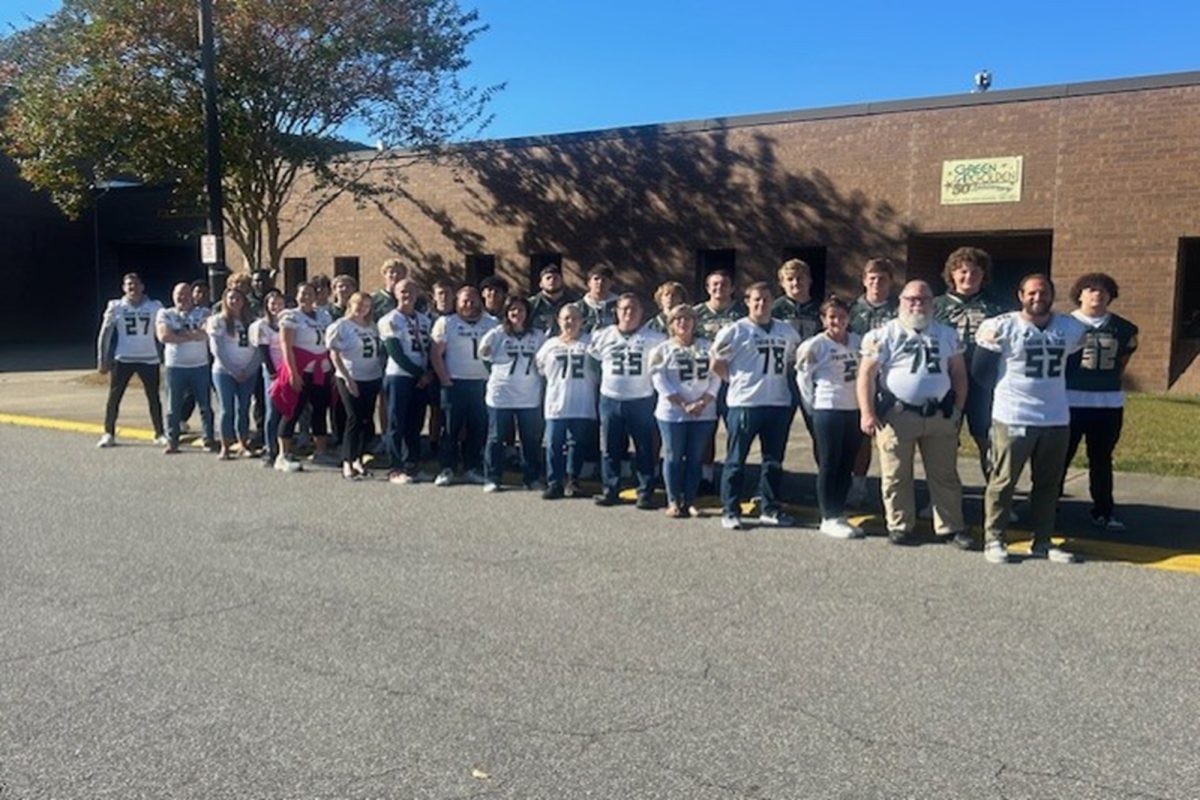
646	201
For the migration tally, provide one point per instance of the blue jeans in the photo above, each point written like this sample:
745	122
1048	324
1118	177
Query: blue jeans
571	436
620	421
683	446
235	398
838	439
181	383
466	418
406	416
501	422
745	423
273	416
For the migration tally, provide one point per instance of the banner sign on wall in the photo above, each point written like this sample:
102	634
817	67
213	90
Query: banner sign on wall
981	180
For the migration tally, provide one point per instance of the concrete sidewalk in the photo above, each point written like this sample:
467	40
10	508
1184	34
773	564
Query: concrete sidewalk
1162	513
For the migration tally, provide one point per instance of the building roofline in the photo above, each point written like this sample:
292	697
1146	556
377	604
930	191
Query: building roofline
936	102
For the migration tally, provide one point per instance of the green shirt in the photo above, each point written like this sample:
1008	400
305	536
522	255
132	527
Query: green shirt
709	322
965	313
865	317
804	317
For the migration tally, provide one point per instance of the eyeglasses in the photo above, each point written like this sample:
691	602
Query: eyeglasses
912	300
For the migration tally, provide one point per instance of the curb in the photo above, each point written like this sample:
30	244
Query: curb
1091	549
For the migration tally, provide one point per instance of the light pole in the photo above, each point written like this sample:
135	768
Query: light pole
217	271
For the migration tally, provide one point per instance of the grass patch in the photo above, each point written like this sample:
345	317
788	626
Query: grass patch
1160	436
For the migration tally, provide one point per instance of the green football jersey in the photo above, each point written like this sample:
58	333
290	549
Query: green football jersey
965	313
804	317
709	322
865	317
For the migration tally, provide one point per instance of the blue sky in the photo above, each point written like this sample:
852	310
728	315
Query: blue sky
572	65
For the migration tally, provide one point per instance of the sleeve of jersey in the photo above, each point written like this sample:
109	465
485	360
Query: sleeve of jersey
807	361
954	342
660	376
990	335
1130	339
723	343
874	345
333	336
438	334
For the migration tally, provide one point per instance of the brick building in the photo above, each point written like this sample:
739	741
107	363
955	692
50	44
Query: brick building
1082	177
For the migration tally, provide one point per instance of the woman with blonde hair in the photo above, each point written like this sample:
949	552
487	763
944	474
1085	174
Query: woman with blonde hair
234	369
357	355
686	409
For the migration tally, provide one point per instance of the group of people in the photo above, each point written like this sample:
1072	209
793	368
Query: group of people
582	378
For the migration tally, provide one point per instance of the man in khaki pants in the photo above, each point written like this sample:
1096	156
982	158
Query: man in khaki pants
1024	355
912	385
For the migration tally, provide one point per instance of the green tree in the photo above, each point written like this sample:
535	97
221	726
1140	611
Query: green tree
107	88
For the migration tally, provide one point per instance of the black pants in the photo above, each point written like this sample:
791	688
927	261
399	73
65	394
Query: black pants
838	439
1102	427
358	417
119	381
310	395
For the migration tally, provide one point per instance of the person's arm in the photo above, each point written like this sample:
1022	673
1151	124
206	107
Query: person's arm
287	344
106	342
437	358
957	366
395	352
342	371
806	367
264	354
865	389
164	332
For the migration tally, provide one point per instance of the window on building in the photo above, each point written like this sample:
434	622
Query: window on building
814	256
480	266
536	262
295	272
346	265
710	260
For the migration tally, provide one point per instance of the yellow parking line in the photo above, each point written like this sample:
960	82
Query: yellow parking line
71	426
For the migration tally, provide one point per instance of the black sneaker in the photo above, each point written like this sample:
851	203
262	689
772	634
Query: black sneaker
961	539
606	499
902	538
552	492
646	503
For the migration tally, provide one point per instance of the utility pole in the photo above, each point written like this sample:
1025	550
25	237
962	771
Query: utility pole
213	245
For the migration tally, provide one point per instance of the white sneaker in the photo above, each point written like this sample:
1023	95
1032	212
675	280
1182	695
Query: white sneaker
1051	553
285	464
731	522
491	486
444	478
474	476
838	528
162	440
996	553
399	477
107	440
776	519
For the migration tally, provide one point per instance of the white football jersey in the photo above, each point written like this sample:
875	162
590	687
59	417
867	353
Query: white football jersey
310	332
359	346
680	370
913	365
462	338
571	382
414	336
233	352
514	381
759	358
184	354
262	333
827	372
624	374
1032	386
133	328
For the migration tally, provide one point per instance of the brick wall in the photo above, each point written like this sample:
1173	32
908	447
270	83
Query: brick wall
1114	178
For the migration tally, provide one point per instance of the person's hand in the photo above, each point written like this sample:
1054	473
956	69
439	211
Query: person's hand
869	423
102	369
296	382
424	380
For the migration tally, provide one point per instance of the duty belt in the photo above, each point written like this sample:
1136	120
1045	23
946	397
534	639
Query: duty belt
927	409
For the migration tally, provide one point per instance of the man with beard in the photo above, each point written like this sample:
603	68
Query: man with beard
911	388
1024	355
551	297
